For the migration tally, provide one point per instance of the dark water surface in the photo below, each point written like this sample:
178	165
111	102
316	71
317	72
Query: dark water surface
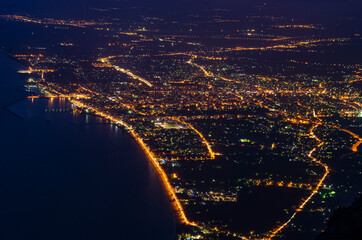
65	176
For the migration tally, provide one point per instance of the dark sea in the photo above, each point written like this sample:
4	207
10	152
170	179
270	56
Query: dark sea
72	176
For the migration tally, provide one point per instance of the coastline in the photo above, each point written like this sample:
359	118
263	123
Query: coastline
171	195
24	97
174	202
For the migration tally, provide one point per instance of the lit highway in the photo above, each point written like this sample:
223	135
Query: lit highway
252	106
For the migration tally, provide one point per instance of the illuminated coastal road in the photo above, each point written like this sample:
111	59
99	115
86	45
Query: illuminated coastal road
180	214
178	209
175	203
242	116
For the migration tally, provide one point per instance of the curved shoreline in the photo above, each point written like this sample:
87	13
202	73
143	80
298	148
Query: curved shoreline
114	181
175	203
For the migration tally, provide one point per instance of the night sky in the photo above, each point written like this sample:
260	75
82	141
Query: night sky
290	6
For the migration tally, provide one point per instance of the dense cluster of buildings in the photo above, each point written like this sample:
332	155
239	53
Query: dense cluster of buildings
244	133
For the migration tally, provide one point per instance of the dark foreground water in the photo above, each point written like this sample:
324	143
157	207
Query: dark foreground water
65	176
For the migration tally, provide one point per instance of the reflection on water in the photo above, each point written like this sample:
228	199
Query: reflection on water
55	109
72	176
